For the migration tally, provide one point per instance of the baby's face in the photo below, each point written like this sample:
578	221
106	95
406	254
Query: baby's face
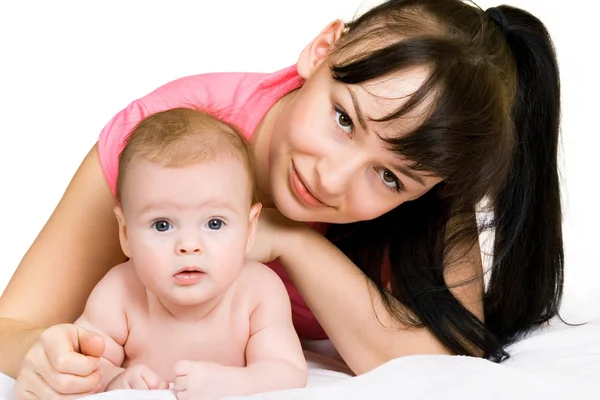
187	228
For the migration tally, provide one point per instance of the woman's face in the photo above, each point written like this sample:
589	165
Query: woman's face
327	161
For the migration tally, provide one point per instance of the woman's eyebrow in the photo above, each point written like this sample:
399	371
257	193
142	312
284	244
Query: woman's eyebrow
410	173
357	110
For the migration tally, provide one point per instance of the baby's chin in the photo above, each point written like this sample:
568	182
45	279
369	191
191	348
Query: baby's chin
187	300
190	295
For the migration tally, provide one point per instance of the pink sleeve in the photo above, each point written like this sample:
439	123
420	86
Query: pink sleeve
184	92
112	138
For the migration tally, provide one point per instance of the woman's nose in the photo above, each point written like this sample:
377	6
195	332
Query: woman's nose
334	174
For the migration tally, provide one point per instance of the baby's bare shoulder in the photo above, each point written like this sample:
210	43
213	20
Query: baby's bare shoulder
260	281
119	283
259	274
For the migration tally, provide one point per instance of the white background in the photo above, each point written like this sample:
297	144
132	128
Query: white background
66	67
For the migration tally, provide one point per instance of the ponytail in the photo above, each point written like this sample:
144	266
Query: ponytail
526	282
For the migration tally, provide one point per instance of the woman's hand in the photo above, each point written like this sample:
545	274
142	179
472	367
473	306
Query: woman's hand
273	234
62	364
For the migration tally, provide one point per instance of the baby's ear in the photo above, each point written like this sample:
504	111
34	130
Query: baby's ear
252	225
318	49
122	230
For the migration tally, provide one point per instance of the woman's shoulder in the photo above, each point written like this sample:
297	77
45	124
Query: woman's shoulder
219	91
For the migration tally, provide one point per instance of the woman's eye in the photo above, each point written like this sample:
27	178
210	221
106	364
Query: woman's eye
214	224
162	225
390	180
343	121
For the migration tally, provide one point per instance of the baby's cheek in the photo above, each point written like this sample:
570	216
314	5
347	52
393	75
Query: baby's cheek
154	260
229	265
145	241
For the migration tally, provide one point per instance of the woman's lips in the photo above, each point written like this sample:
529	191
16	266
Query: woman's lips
301	191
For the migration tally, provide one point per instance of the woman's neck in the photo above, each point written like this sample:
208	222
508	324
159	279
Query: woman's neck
261	143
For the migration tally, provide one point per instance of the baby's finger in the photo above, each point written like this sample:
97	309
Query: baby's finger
183	395
118	383
181	383
136	381
182	367
151	378
163	385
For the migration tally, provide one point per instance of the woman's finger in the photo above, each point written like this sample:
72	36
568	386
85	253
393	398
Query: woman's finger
36	387
58	345
22	390
91	344
27	396
61	383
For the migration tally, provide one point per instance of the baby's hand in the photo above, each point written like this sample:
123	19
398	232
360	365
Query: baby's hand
195	380
138	377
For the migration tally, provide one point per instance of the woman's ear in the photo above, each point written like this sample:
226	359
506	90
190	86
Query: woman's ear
122	231
318	49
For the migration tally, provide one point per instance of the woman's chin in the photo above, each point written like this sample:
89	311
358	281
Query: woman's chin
289	208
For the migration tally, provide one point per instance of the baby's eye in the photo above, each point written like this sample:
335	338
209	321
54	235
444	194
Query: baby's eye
215	224
162	225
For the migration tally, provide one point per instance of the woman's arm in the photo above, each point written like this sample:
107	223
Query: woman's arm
350	309
76	247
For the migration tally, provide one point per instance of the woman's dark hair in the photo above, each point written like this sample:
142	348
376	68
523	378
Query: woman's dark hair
491	132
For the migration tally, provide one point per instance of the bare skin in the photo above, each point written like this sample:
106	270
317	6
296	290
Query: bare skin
187	309
61	254
243	340
87	209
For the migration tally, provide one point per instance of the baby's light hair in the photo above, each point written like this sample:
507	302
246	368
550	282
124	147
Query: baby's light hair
181	137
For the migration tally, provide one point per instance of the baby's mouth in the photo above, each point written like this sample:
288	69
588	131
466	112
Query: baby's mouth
189	275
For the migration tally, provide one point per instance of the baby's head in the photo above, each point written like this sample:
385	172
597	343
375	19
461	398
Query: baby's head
188	204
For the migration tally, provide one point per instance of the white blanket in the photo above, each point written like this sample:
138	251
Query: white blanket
558	362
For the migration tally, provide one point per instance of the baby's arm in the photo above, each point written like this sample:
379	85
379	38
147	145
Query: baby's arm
274	357
105	314
274	354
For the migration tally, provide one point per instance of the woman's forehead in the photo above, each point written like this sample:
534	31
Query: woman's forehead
396	88
377	99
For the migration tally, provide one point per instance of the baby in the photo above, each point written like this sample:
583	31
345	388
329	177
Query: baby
187	310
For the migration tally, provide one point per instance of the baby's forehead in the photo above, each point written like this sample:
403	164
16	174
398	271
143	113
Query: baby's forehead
188	205
224	179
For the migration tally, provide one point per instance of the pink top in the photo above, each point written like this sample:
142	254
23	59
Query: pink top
241	99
